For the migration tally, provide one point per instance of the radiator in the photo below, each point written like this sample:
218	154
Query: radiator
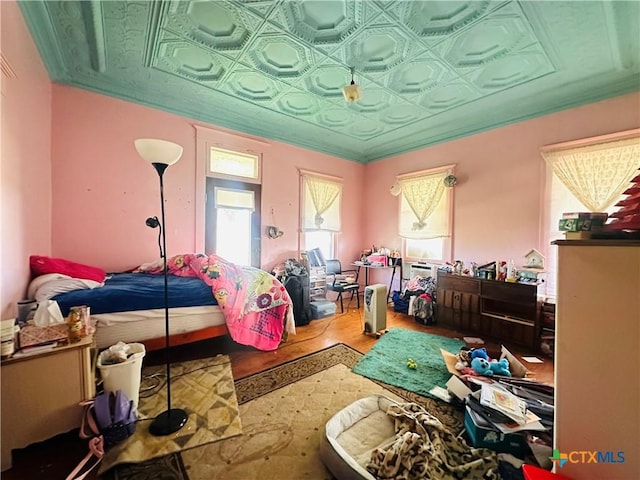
375	308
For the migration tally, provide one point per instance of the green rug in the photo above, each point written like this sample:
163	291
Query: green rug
387	360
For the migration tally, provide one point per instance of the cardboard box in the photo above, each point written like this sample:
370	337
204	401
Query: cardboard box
378	260
517	369
32	335
483	435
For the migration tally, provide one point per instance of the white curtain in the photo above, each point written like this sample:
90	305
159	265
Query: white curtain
427	216
322	198
596	174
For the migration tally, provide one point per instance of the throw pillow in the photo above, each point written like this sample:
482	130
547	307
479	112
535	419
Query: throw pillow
41	265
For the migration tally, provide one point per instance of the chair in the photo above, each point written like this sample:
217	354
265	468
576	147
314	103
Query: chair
337	281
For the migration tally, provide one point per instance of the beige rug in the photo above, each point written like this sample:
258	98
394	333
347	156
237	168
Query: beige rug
282	430
283	411
204	388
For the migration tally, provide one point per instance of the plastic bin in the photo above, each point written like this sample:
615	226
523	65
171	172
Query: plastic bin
322	309
125	375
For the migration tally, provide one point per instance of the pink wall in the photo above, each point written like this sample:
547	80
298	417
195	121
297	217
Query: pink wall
497	202
77	189
25	176
103	192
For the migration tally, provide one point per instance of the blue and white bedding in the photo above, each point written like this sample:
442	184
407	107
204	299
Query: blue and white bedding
125	292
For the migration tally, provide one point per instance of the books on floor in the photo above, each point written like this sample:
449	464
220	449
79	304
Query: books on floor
497	398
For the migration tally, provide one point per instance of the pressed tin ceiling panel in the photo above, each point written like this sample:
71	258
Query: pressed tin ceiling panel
430	71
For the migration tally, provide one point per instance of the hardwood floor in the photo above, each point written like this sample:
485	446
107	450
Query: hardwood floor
341	328
56	457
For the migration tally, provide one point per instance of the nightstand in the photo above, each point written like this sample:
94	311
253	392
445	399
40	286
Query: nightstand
41	394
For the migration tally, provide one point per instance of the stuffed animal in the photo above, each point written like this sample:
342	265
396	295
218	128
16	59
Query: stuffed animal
479	353
464	357
500	367
481	366
464	360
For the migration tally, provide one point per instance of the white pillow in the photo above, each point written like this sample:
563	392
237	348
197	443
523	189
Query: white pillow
49	285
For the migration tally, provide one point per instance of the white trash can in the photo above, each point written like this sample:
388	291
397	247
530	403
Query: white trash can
125	375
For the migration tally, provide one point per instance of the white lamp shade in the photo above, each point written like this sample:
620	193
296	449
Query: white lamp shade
352	92
154	150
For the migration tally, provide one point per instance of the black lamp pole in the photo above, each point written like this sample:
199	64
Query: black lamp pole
173	419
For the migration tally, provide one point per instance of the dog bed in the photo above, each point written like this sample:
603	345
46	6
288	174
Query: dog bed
352	433
376	431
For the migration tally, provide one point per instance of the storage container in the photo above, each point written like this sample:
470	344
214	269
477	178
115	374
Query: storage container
322	309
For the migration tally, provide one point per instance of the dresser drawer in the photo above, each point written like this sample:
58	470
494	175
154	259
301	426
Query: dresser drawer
459	283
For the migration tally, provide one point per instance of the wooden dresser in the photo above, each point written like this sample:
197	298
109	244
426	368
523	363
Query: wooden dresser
597	357
508	312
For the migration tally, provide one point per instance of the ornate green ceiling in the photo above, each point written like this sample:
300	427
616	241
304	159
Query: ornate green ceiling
430	71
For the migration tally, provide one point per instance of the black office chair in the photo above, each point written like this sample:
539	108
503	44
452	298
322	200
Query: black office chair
337	282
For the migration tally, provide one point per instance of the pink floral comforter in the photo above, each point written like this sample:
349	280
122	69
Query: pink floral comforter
255	304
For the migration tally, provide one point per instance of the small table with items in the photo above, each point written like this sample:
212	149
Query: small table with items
394	263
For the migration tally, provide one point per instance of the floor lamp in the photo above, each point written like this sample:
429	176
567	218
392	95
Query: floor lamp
161	154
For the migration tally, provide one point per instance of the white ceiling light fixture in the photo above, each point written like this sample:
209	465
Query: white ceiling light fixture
352	91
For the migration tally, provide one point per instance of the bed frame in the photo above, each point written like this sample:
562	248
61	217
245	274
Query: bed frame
184	338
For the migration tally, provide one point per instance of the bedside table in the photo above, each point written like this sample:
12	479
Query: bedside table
41	394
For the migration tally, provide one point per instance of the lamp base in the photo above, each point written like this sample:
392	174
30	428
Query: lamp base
168	422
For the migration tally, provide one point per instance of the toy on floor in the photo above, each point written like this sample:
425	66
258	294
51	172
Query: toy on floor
477	362
481	366
500	367
411	363
479	353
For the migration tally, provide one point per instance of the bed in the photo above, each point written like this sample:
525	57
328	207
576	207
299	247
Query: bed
208	297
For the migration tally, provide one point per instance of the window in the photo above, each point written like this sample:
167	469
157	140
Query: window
585	176
319	239
424	249
425	214
233	205
237	165
321	200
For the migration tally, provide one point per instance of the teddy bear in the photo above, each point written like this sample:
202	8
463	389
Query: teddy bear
479	353
481	366
466	356
500	367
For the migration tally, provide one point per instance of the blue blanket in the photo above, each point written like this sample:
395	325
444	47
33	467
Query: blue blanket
123	292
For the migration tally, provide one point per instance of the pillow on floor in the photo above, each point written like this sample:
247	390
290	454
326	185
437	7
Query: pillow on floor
41	265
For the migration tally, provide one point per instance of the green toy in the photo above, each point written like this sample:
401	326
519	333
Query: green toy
411	363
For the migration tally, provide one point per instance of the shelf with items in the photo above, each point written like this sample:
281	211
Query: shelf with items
317	283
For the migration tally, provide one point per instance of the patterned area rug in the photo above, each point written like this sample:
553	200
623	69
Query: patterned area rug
205	389
283	411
